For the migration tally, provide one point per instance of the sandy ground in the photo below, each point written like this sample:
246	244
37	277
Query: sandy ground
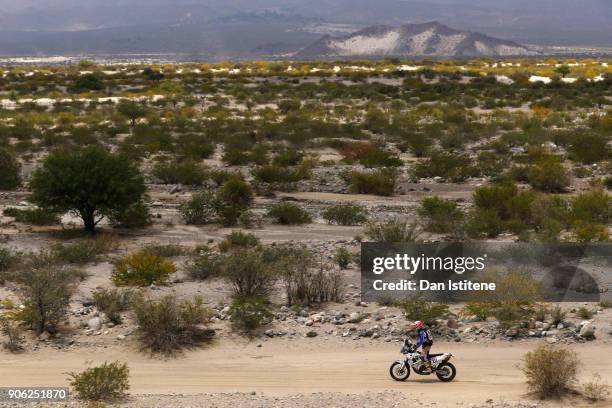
279	370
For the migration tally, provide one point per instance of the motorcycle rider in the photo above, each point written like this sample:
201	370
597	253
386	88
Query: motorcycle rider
425	342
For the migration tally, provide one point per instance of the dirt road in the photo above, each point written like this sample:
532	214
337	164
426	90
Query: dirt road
282	368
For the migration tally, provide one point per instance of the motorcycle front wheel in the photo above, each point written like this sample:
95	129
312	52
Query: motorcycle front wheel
446	372
398	373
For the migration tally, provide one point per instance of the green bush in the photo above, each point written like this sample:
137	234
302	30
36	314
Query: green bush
342	258
550	370
249	313
424	310
234	198
441	215
88	82
13	334
33	216
187	172
135	216
584	313
142	268
392	230
9	171
346	214
593	207
286	213
204	265
238	239
288	157
167	325
248	273
112	302
200	209
449	166
109	381
276	174
557	314
549	176
45	292
380	182
485	222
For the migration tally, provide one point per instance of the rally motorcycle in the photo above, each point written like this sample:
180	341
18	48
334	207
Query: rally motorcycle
400	369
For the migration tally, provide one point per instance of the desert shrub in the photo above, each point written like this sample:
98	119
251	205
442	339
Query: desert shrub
345	214
369	155
550	370
392	230
204	265
167	325
200	209
248	273
45	292
238	239
84	251
286	213
88	82
112	302
33	216
481	310
424	310
606	304
187	172
13	333
557	314
588	232
589	148
9	171
91	182
249	219
248	313
549	176
288	157
136	215
108	381
165	250
142	268
9	260
607	182
584	313
275	174
449	166
596	389
380	182
342	257
441	215
593	207
234	198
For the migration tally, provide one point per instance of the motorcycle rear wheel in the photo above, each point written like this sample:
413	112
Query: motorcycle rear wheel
446	372
397	373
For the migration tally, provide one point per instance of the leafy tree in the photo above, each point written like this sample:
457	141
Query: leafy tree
563	70
88	82
131	110
92	182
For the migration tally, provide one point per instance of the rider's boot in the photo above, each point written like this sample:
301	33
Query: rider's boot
428	365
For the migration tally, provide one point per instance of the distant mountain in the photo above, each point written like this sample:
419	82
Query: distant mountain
412	40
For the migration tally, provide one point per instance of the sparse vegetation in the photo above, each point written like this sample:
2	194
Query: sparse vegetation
106	382
392	230
167	325
346	214
289	214
143	268
550	370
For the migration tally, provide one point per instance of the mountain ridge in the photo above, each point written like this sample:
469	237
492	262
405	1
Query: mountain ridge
412	40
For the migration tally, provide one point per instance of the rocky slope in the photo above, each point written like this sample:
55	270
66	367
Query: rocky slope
429	39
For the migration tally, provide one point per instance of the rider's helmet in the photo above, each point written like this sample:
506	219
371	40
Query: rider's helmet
419	324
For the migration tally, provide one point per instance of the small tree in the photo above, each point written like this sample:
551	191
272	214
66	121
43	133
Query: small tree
9	170
563	70
92	182
132	110
45	292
